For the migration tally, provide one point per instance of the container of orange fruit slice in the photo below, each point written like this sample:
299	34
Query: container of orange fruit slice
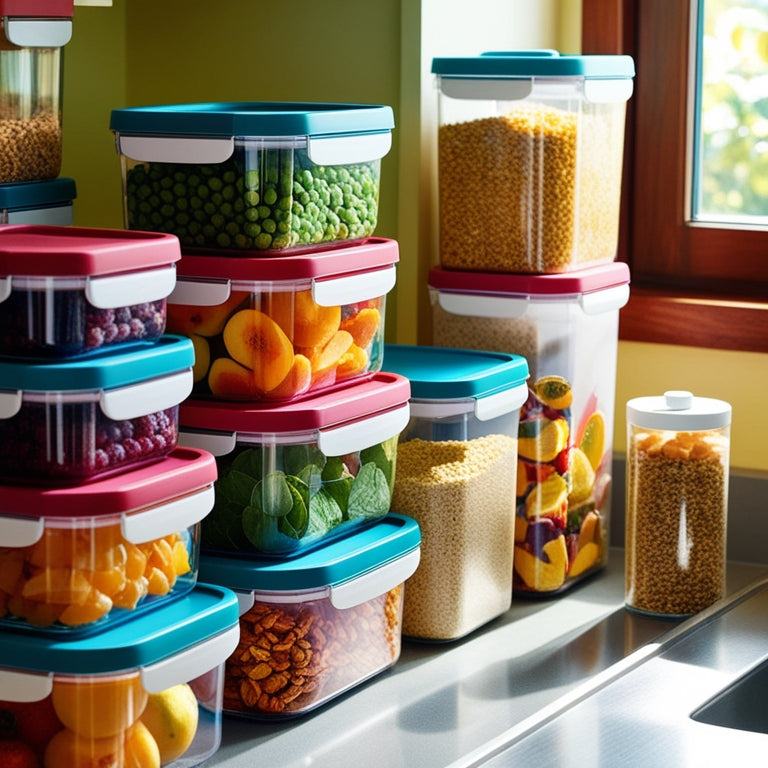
76	559
147	694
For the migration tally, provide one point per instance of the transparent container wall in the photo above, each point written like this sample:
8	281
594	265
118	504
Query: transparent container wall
530	185
30	112
677	491
266	197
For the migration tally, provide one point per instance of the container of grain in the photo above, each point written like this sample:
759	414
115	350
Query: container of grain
678	450
31	38
566	326
530	148
455	476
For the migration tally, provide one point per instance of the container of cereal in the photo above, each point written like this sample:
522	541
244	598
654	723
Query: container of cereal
678	450
566	327
456	467
38	202
32	35
530	149
76	559
108	698
67	292
77	420
314	627
278	329
253	176
295	476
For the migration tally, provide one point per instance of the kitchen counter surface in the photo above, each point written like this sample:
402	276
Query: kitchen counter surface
446	705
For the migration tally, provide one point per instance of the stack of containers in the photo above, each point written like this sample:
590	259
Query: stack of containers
281	288
530	149
100	509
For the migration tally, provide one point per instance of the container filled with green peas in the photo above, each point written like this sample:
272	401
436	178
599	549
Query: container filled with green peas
253	176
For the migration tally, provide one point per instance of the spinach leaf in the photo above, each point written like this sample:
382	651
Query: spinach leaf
369	496
384	456
249	462
324	513
236	487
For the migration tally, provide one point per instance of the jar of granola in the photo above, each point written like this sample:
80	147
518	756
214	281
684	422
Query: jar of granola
677	502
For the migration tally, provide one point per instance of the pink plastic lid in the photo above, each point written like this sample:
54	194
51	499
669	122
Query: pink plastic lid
39	249
355	401
183	471
37	9
579	281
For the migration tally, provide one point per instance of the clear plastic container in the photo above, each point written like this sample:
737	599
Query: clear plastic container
295	476
77	559
38	202
74	421
566	327
530	150
678	449
457	461
279	329
253	176
67	292
316	626
107	699
31	74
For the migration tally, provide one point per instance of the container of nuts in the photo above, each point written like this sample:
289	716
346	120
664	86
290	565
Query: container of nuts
677	503
315	626
530	148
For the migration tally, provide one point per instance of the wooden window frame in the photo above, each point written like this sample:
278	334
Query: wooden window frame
674	299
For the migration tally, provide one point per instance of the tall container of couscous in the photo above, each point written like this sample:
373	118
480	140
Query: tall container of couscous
566	326
530	148
456	466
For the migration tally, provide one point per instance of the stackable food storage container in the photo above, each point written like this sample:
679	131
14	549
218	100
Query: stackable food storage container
276	329
566	327
38	202
530	149
316	626
294	476
73	421
66	292
456	467
678	448
253	175
80	558
146	693
32	35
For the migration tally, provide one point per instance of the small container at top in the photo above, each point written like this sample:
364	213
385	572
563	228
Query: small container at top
67	292
107	698
38	202
566	327
253	176
31	73
298	475
530	148
278	329
456	468
74	421
78	559
316	626
678	450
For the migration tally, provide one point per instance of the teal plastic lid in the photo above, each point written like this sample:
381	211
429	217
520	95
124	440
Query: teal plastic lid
37	194
335	563
441	373
266	118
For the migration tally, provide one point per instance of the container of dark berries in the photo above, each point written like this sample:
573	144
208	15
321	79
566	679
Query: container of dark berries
69	292
76	420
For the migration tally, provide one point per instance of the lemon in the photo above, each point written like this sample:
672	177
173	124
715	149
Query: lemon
593	439
582	477
171	717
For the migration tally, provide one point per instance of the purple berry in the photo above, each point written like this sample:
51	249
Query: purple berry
132	449
116	453
110	333
94	338
137	328
123	315
146	425
123	331
100	459
147	445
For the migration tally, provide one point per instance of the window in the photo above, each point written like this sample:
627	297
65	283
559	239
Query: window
695	283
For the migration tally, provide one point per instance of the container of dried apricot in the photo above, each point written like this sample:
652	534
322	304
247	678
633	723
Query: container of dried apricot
315	626
143	694
566	326
456	467
293	477
76	560
678	450
530	148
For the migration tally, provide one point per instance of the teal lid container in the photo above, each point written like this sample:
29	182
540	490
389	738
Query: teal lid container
38	202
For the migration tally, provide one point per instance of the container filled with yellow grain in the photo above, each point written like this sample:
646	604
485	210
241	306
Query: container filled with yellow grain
678	450
456	466
530	147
